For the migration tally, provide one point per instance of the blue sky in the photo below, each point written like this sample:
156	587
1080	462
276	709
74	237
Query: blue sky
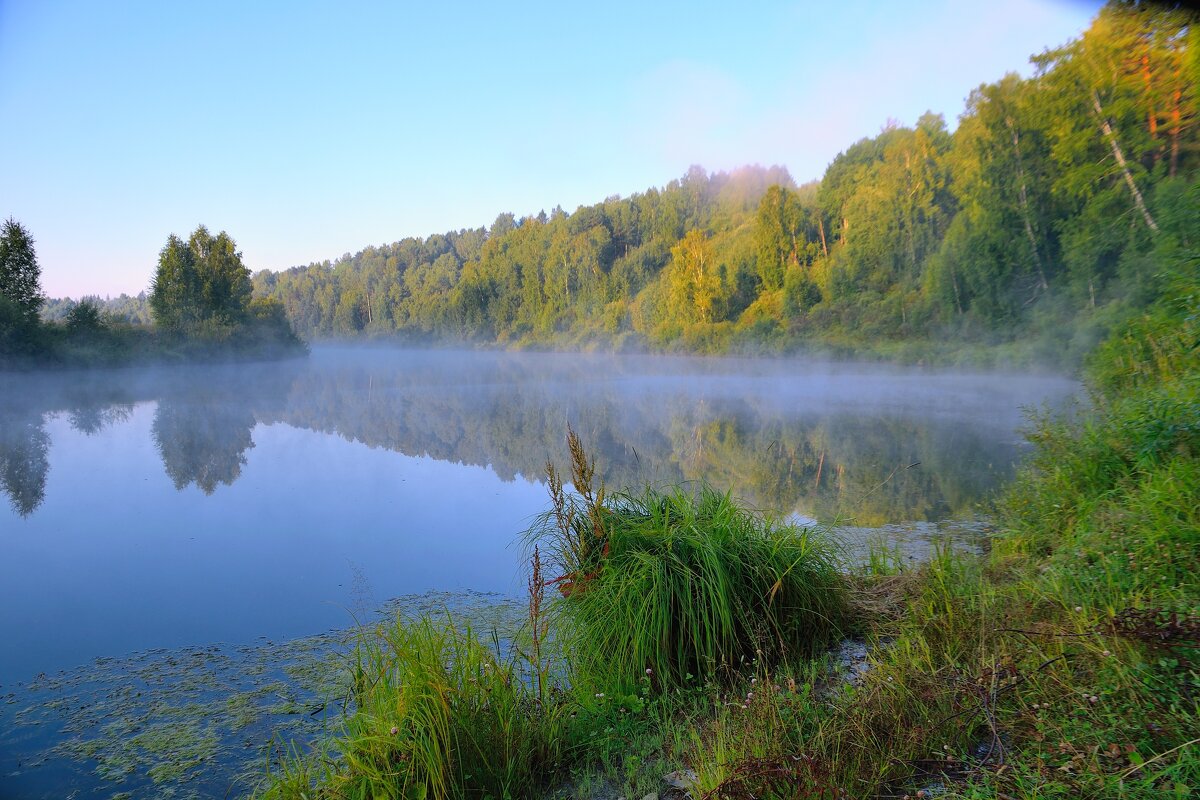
307	130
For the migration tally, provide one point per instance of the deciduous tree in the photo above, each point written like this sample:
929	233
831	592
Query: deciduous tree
19	271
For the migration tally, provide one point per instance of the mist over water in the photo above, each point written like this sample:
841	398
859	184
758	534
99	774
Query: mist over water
164	508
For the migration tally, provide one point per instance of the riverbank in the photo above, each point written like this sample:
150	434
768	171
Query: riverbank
110	344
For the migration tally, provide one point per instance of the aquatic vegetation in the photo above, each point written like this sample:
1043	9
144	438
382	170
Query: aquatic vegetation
195	722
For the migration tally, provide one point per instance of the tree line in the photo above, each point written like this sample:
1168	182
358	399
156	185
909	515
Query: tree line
1044	213
200	304
1041	220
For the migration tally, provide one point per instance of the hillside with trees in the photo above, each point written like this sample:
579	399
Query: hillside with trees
1027	232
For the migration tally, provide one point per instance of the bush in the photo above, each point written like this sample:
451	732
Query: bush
84	319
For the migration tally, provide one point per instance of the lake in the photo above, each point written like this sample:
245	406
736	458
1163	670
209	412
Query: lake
157	510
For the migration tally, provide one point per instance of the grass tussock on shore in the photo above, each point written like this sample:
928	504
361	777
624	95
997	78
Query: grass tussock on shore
436	713
680	584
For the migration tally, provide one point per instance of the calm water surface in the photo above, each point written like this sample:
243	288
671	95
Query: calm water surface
162	508
183	551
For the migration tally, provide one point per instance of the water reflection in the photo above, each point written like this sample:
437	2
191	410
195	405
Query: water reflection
24	461
203	438
874	445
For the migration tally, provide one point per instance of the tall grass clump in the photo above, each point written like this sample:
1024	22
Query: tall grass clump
679	584
437	714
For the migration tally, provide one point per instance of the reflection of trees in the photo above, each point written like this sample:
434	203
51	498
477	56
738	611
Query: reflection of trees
203	439
24	445
94	420
24	442
817	457
94	408
772	439
205	417
873	469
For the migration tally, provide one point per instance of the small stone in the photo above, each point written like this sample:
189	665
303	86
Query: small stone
681	779
651	796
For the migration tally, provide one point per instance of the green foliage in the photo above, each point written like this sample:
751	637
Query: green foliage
1048	207
800	292
201	302
19	271
782	233
174	296
265	329
1162	345
681	586
84	319
19	337
20	293
436	715
200	286
122	309
1067	656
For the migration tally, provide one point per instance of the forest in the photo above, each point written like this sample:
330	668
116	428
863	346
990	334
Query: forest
1034	226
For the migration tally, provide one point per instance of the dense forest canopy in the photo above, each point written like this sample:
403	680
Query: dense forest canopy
1042	214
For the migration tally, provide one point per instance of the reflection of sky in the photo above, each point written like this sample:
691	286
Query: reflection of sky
416	491
117	560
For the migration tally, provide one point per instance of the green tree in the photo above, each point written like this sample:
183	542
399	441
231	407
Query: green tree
1001	251
200	284
696	286
1120	114
19	271
174	290
779	235
84	319
225	288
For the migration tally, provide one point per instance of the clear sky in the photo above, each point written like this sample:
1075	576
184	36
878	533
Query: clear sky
312	129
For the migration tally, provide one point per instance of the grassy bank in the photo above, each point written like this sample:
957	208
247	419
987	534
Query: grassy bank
676	634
